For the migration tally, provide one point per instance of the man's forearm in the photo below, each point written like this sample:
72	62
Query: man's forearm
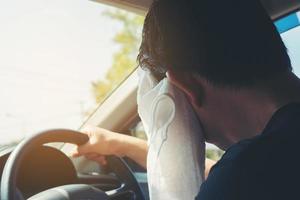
137	150
134	148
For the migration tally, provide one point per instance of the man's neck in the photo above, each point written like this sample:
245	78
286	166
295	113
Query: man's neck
258	106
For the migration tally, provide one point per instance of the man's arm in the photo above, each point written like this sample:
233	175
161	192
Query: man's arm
135	149
103	142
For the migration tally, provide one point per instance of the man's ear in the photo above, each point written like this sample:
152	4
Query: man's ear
189	84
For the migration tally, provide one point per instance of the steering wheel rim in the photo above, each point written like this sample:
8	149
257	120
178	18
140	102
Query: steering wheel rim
9	177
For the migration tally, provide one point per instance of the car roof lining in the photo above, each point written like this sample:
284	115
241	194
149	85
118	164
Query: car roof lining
275	8
280	8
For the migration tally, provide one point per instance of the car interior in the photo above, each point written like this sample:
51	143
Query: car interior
36	169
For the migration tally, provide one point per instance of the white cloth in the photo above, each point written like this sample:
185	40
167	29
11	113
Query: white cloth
176	156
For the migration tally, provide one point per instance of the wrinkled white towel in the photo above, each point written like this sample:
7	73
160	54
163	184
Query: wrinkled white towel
176	156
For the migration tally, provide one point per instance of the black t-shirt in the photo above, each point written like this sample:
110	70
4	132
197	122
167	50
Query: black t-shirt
266	167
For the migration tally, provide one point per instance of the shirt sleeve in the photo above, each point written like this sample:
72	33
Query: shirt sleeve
221	184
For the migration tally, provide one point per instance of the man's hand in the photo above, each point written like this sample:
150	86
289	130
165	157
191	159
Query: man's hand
103	142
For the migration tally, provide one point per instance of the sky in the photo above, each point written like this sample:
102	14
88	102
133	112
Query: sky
50	52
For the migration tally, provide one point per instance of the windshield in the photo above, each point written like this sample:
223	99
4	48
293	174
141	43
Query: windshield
59	60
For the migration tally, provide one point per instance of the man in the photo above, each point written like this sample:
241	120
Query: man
231	63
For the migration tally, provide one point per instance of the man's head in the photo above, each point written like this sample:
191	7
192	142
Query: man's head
209	48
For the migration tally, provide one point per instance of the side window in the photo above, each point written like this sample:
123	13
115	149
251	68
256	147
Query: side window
289	27
138	131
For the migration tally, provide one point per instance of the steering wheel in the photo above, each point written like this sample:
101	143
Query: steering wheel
9	189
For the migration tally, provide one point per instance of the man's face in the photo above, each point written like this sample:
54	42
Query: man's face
213	121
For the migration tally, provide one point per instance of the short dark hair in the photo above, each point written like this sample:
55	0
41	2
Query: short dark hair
229	43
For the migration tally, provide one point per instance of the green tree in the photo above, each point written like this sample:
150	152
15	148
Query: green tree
124	60
214	154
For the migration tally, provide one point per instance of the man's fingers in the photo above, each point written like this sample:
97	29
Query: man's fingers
101	160
91	156
84	149
97	158
81	150
74	153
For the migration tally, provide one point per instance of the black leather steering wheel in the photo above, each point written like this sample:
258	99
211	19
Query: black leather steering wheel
9	189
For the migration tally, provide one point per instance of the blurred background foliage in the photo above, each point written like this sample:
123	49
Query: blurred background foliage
124	60
214	154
